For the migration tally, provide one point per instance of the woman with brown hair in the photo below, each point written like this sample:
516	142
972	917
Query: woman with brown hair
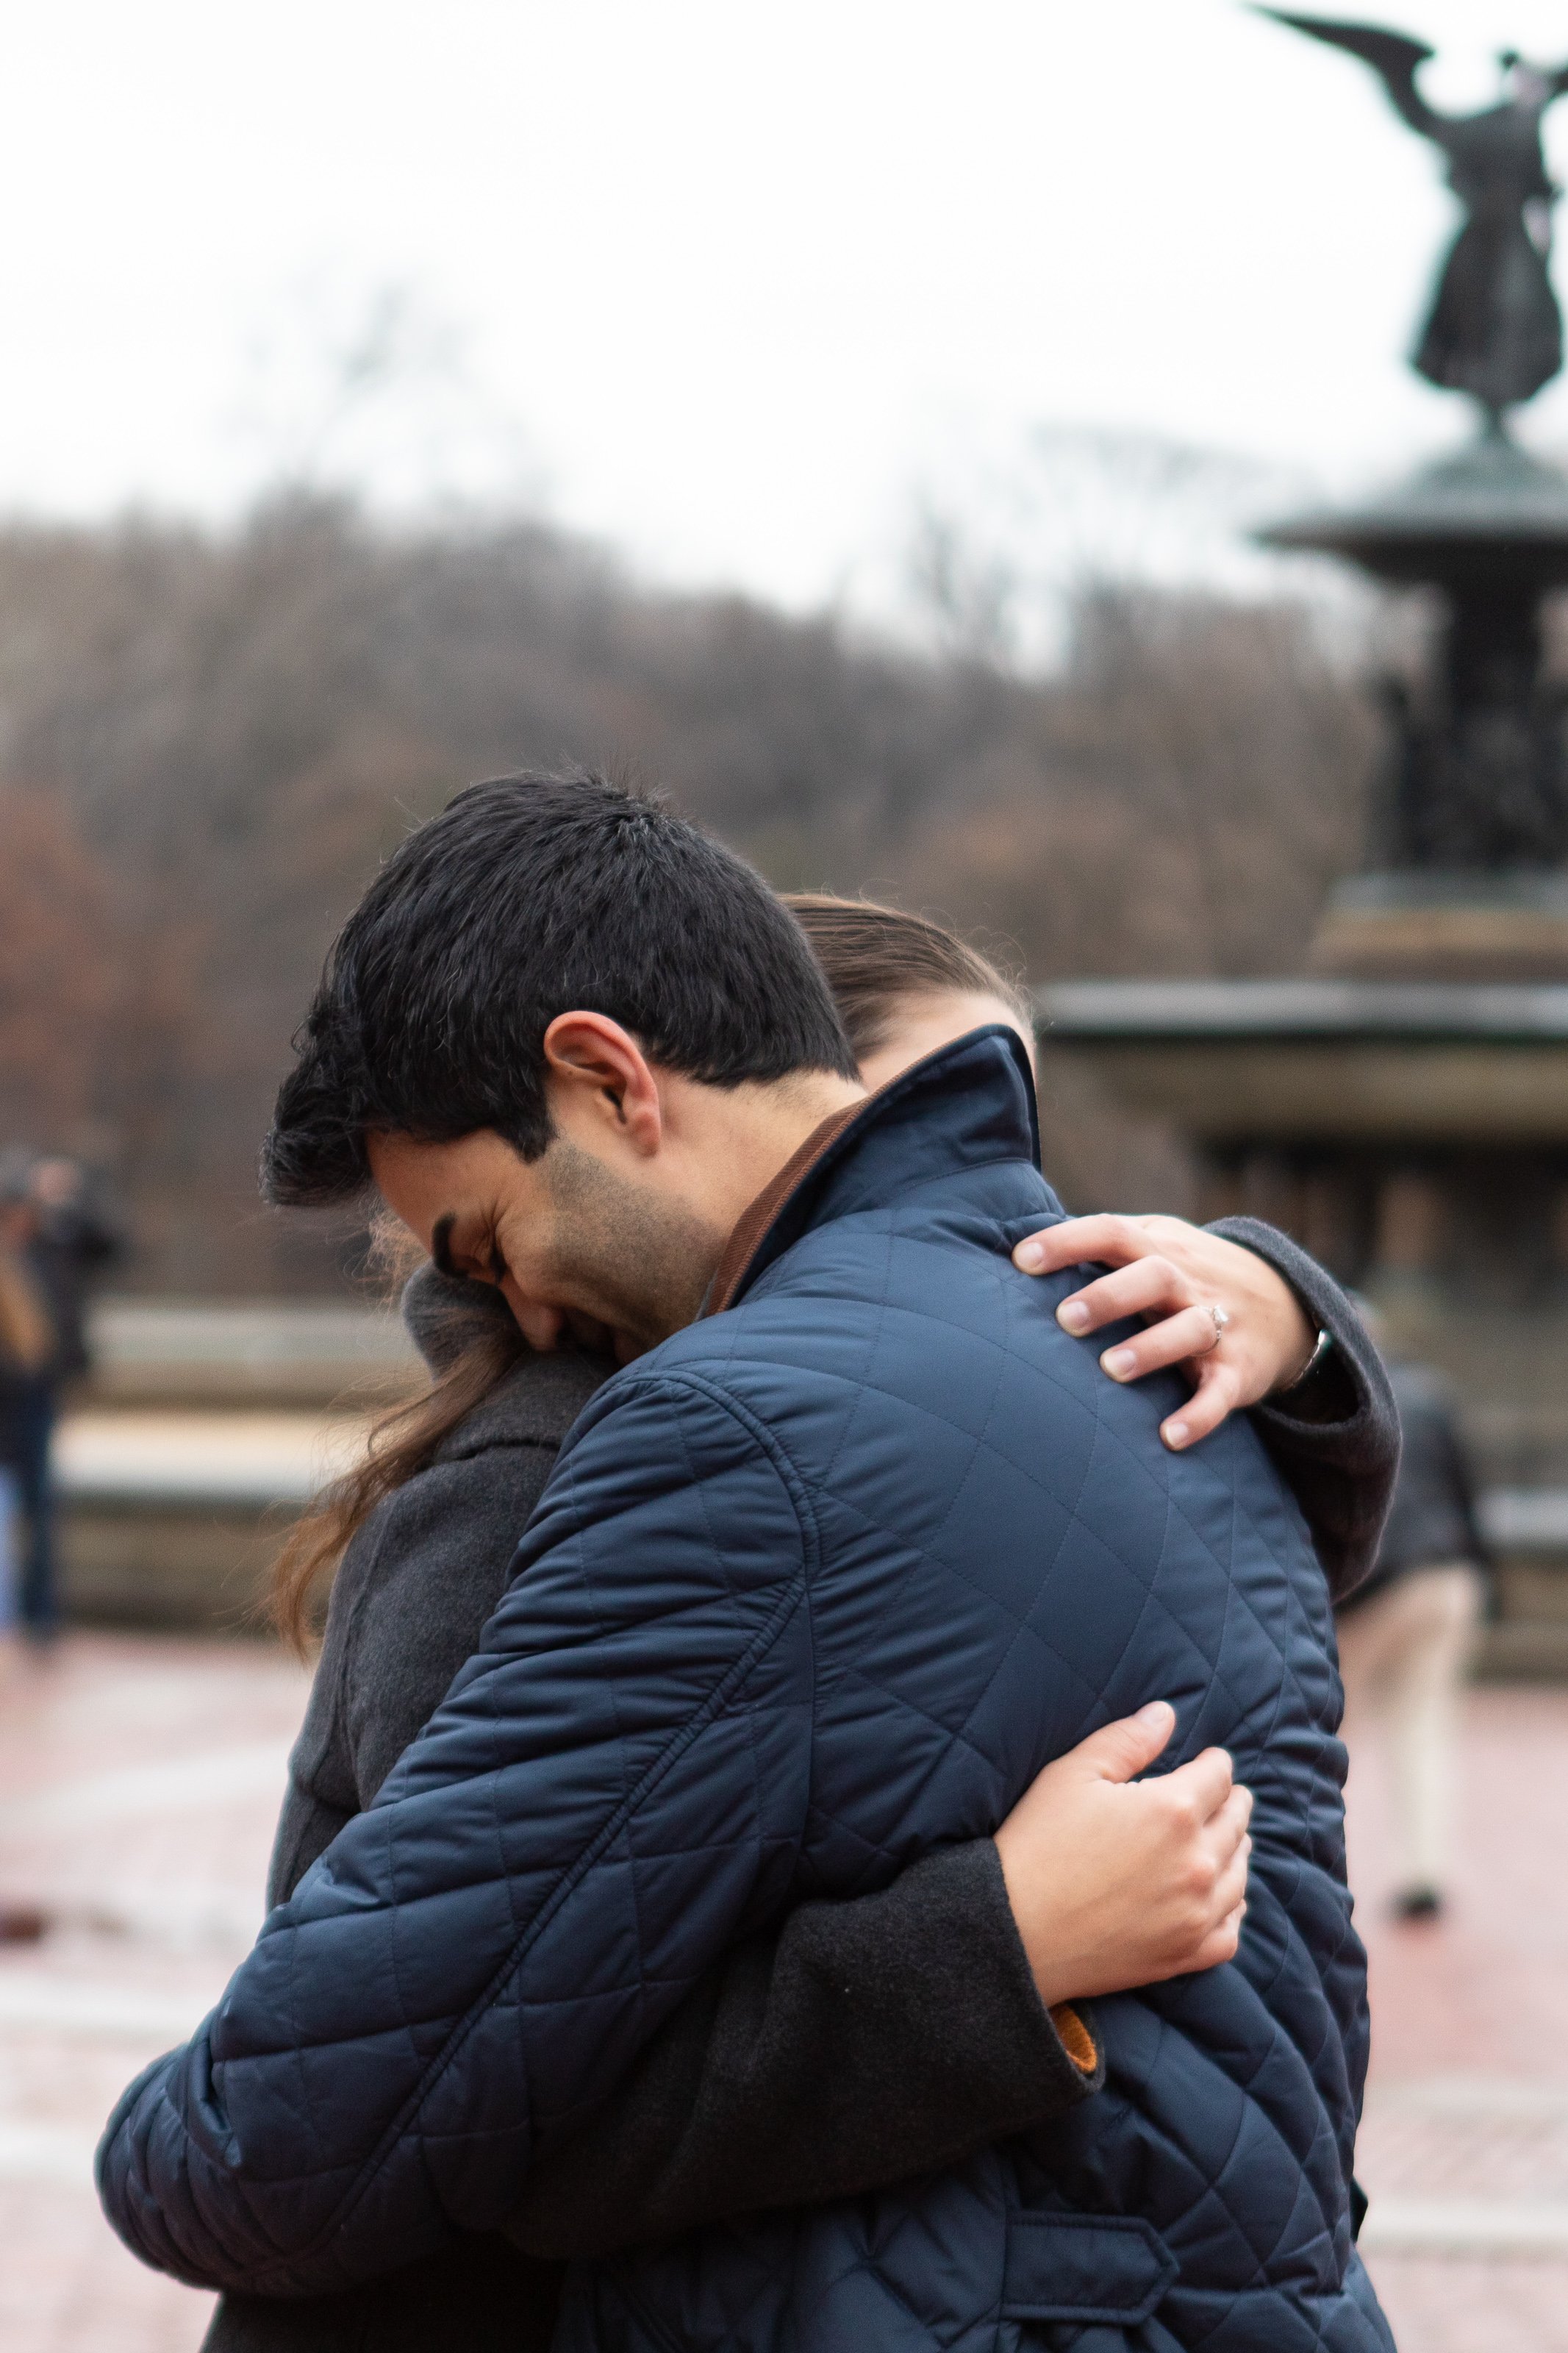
862	2040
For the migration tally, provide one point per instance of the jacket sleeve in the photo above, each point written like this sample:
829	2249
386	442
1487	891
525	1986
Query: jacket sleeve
859	2044
613	1792
1335	1439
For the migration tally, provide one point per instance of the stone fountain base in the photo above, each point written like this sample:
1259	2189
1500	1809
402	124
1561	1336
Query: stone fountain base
1413	1134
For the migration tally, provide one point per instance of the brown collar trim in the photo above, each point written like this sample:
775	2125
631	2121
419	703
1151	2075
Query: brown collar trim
750	1227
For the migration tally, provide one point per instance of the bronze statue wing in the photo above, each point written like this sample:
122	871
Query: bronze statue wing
1393	57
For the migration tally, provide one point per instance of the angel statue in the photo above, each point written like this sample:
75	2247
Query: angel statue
1494	331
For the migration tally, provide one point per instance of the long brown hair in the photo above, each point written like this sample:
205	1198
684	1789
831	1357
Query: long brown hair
404	1443
875	958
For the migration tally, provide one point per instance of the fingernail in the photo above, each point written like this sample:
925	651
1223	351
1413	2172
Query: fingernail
1153	1710
1073	1315
1027	1255
1175	1433
1118	1363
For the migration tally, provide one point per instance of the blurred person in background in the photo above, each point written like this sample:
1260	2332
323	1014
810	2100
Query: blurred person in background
64	1241
74	1244
27	1347
10	1553
860	2040
27	1341
1407	1636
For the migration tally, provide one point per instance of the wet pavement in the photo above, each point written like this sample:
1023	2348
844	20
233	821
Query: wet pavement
139	1781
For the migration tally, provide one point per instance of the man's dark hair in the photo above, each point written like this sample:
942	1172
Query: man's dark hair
530	896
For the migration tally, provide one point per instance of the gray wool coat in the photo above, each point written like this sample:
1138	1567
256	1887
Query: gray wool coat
851	2045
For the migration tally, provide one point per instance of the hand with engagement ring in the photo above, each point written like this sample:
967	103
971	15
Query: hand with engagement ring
1220	1311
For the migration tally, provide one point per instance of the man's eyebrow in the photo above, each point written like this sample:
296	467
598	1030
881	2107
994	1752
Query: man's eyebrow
441	1245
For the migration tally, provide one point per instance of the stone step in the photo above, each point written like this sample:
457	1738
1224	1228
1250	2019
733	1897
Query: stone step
204	1351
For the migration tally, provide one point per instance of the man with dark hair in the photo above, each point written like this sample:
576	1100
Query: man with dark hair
538	894
545	894
855	1543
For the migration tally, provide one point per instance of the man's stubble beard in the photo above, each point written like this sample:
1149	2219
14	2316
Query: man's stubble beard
644	1259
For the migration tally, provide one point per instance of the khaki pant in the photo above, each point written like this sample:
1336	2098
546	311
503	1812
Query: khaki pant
1404	1656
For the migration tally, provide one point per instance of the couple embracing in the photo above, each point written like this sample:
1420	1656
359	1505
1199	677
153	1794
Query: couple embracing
716	1906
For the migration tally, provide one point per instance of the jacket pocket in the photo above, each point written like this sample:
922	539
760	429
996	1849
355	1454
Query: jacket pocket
1084	2267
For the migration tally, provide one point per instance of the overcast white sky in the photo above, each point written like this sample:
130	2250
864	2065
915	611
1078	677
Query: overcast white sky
724	281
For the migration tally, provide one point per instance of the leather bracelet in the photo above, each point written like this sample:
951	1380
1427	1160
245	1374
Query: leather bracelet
1325	1341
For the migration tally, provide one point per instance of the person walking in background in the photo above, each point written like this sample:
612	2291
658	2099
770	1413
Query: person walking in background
1407	1635
52	1225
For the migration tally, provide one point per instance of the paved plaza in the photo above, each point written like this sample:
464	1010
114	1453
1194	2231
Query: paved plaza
138	1784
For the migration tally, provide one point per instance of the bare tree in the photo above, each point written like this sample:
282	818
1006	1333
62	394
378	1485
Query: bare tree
210	740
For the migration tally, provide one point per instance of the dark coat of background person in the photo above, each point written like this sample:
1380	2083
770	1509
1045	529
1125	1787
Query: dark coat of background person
76	1245
23	1373
71	1243
1098	1397
1432	1518
879	2036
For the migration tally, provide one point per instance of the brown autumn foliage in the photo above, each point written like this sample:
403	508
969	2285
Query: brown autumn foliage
206	742
57	987
95	1009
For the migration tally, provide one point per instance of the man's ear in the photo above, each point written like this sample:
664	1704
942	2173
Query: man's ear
600	1080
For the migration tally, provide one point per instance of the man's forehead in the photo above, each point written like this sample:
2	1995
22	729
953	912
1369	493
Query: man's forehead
425	1182
420	1183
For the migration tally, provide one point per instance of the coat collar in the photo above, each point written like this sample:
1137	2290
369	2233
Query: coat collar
968	1103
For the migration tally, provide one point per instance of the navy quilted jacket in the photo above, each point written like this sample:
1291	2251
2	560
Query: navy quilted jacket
817	1585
